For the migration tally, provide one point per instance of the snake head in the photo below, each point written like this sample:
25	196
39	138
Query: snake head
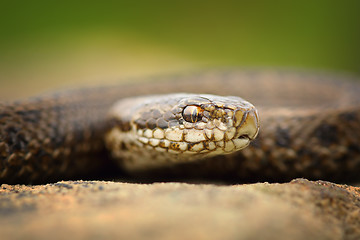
160	129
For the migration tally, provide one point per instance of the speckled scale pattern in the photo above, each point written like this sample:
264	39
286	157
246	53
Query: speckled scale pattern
162	117
310	128
38	138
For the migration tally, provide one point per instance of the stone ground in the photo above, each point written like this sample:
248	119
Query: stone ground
300	209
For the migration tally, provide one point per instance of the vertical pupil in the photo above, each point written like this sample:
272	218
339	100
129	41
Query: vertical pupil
194	115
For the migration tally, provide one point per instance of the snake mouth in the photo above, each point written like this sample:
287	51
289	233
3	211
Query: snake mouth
249	126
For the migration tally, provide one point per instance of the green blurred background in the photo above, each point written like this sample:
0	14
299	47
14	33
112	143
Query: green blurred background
55	44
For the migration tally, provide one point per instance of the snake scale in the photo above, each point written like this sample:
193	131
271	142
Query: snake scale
309	127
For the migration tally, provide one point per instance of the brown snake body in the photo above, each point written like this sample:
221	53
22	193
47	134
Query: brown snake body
310	127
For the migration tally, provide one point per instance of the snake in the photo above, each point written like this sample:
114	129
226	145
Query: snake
189	126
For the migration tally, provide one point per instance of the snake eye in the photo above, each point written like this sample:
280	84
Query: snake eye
192	114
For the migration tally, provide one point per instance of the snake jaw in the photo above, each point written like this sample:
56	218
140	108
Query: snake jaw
247	130
249	125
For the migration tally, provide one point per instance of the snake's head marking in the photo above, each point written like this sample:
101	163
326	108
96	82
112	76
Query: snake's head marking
179	127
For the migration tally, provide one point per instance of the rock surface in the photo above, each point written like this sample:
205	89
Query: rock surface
300	209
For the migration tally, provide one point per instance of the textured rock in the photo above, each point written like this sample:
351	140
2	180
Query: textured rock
95	210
